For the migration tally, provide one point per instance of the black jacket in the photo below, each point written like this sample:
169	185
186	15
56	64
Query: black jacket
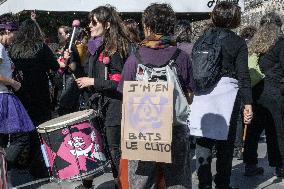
34	93
272	64
235	62
107	88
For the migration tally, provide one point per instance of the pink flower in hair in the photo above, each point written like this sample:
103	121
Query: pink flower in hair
106	60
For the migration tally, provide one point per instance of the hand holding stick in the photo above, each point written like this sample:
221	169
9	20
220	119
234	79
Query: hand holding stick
75	24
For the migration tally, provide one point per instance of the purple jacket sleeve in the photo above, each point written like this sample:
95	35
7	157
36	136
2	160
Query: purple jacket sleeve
128	72
184	70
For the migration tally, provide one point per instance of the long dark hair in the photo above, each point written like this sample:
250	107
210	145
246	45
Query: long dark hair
116	38
133	28
28	41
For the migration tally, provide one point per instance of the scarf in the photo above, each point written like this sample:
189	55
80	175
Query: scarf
94	44
158	42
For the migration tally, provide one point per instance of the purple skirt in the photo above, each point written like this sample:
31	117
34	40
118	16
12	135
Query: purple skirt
13	116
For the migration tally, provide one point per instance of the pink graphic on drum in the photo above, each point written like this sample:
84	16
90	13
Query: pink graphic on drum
78	150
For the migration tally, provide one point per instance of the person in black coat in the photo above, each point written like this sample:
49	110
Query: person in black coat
272	65
264	39
234	61
107	51
34	59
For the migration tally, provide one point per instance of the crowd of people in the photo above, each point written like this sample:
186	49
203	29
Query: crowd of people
233	84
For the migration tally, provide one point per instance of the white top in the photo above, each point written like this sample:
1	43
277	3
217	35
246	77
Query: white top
5	67
211	113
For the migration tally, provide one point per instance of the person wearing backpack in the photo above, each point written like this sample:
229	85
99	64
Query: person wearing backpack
156	50
263	119
222	82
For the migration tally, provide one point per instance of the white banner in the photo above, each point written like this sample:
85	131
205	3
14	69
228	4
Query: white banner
186	6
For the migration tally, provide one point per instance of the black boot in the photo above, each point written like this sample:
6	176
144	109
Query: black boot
253	170
279	171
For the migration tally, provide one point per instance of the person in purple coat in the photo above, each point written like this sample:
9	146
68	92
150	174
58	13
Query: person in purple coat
156	49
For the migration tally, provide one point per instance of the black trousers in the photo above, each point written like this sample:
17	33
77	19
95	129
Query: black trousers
262	121
239	132
224	148
113	147
17	153
38	168
272	100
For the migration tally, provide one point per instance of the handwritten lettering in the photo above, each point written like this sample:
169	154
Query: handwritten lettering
133	87
155	87
131	145
147	87
145	136
158	147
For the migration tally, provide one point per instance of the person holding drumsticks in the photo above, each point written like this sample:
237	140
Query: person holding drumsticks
107	52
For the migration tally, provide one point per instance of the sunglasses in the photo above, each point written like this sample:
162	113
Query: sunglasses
94	23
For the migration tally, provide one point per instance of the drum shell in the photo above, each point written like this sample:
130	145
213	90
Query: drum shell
75	151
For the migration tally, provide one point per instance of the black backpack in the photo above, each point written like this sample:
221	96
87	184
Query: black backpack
207	59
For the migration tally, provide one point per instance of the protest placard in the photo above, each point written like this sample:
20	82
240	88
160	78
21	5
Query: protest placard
147	121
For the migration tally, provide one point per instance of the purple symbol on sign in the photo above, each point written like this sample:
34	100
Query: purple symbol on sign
147	114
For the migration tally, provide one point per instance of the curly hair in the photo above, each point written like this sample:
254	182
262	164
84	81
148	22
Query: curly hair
266	35
159	18
116	38
226	15
28	41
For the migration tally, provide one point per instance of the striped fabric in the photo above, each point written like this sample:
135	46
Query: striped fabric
3	170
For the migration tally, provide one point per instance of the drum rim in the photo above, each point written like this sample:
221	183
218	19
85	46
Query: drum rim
47	127
96	171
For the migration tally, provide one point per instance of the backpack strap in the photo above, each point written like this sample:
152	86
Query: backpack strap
138	57
170	62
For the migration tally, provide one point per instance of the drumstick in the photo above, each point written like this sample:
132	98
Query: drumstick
75	24
74	76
